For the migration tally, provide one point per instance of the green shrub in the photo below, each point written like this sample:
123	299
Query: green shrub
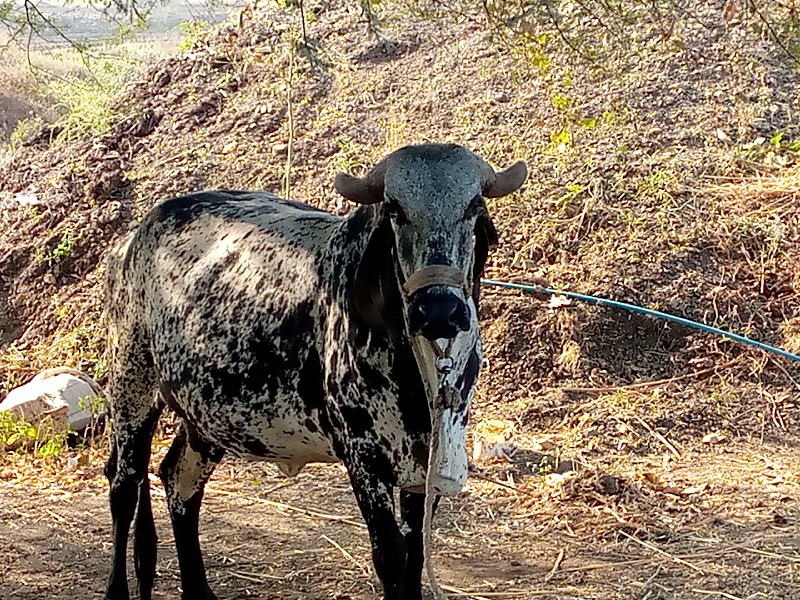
44	439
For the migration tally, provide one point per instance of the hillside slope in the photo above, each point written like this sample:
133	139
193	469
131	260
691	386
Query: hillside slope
665	173
624	198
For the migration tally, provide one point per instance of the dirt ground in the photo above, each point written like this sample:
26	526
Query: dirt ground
638	460
559	537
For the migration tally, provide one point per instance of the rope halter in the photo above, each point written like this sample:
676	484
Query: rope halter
435	275
445	396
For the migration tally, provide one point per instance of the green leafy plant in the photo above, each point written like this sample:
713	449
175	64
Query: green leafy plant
84	99
45	440
14	432
568	202
350	157
561	102
50	445
61	251
24	129
659	186
98	406
561	140
779	142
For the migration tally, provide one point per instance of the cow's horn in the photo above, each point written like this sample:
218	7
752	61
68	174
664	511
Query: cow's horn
362	190
505	182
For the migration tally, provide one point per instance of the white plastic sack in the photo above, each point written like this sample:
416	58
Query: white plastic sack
66	395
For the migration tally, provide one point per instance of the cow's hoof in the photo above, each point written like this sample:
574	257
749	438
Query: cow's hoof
117	592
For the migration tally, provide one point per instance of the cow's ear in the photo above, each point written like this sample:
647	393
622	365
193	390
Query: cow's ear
375	297
485	238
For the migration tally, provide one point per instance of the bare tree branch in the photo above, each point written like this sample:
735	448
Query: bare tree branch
771	30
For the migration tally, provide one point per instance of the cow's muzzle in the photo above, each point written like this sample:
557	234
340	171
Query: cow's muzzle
436	311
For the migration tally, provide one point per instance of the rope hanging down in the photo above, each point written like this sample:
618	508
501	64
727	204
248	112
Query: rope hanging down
653	313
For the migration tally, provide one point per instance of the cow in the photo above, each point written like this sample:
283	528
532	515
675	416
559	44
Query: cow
280	332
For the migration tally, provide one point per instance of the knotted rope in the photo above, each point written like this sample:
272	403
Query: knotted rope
446	397
441	396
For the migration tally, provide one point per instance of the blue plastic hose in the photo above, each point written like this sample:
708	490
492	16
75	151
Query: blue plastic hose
653	313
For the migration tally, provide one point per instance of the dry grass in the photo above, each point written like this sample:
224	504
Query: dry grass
704	522
19	99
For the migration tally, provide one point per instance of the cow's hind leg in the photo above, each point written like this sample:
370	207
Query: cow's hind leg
412	511
145	542
187	466
126	469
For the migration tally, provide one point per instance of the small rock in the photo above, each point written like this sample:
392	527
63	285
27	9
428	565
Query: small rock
611	485
565	466
715	438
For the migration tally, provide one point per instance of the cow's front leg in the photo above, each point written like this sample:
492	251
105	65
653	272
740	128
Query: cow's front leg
369	478
412	511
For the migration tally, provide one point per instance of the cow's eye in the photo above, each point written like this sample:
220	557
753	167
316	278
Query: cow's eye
394	210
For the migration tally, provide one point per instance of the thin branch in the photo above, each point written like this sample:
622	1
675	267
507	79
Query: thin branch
303	22
281	505
671	557
773	34
659	437
563	35
556	565
480	475
13	35
290	116
81	50
647	384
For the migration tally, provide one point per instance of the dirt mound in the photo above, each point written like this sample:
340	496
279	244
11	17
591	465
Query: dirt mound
617	204
623	200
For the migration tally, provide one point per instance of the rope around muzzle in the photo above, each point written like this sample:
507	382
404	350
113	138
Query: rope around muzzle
446	397
435	275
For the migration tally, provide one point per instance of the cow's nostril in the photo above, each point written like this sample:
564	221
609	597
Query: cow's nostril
460	317
416	318
438	315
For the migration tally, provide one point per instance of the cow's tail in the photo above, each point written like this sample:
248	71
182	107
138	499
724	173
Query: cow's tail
144	542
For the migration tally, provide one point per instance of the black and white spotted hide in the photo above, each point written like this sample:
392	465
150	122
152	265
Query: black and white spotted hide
283	333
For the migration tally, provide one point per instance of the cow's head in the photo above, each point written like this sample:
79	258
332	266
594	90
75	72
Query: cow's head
435	223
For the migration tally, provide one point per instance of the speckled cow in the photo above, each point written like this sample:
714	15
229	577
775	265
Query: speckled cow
283	333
